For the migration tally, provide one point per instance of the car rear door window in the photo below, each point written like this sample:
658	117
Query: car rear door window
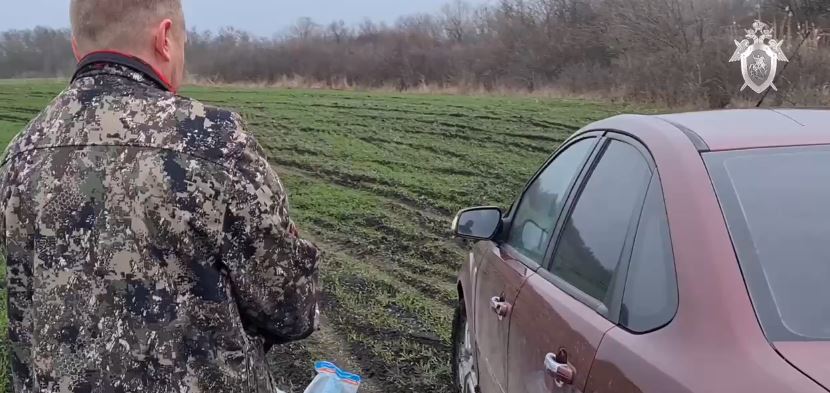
650	298
594	236
542	203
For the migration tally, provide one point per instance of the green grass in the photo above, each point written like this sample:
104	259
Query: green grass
374	179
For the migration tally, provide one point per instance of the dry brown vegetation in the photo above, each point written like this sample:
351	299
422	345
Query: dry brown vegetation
670	52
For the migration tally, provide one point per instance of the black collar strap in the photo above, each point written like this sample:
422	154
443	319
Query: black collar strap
132	62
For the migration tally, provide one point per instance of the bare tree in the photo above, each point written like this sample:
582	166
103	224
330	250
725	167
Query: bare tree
338	31
666	51
304	29
804	12
457	18
37	52
420	25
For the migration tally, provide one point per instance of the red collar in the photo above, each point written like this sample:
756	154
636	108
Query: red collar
123	59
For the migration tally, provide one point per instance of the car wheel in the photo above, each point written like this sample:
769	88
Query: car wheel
463	361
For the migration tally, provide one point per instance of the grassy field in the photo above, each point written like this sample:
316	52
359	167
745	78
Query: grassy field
374	179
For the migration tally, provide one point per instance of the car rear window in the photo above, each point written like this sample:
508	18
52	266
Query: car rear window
777	205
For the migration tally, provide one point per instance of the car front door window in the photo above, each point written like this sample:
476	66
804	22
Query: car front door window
595	235
542	203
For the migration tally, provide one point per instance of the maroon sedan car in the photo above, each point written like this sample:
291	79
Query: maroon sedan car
665	254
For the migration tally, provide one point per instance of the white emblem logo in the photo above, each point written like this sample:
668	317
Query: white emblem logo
759	59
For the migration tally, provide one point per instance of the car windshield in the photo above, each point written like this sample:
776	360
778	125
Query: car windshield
777	205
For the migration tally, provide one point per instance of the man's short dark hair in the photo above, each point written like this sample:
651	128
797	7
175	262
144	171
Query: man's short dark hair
118	24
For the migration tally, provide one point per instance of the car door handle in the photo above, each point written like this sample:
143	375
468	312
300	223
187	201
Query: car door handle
563	373
500	307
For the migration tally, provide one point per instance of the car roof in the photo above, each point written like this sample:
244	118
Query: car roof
740	128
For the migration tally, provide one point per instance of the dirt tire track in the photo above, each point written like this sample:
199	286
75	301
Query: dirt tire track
345	353
297	169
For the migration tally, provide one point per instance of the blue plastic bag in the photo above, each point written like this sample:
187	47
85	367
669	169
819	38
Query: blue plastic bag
331	379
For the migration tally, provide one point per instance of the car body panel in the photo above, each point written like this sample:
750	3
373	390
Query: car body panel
749	128
663	362
811	357
466	289
566	323
498	274
734	128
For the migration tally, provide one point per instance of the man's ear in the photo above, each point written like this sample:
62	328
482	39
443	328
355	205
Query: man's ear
162	39
75	50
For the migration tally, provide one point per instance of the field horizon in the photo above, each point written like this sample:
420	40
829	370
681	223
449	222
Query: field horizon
374	179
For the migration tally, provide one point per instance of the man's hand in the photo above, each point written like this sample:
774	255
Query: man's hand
292	229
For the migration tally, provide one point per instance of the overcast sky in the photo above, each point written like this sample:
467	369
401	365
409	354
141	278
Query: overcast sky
262	17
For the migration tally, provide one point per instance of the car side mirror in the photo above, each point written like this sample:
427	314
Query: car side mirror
478	223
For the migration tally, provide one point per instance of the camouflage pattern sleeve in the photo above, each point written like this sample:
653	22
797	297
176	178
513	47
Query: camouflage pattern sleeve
274	273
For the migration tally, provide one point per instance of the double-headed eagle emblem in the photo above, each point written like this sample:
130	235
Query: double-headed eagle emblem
759	54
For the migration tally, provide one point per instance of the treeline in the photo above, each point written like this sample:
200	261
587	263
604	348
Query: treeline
40	52
672	52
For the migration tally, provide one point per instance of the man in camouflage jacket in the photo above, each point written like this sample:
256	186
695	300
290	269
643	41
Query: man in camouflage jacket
148	242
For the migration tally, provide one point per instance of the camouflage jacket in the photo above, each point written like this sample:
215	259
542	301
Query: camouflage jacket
148	243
